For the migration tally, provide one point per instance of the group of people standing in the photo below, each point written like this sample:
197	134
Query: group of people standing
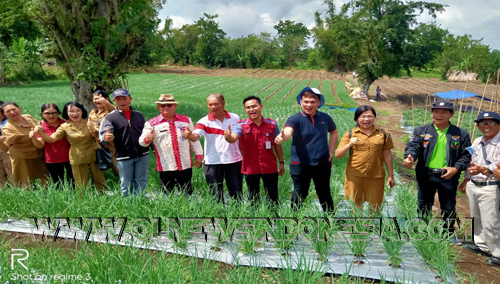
251	148
442	151
234	148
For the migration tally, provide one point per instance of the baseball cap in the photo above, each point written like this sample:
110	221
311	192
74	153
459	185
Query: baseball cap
442	104
315	91
120	92
488	115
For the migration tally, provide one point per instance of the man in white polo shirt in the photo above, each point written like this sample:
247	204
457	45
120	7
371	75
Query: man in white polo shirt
222	160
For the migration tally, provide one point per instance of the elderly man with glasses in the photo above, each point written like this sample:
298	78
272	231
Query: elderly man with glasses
172	150
481	186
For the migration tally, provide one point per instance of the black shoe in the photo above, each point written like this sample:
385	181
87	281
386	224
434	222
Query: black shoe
495	261
476	249
472	247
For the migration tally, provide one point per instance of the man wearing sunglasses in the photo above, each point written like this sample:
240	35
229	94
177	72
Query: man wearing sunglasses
440	151
172	150
482	188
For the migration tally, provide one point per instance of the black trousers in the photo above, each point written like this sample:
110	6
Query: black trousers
215	175
56	171
320	174
428	183
270	185
180	179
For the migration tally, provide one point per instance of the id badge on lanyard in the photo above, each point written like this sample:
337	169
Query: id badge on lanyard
268	143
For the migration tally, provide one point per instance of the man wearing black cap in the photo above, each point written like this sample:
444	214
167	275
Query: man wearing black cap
311	152
482	188
440	151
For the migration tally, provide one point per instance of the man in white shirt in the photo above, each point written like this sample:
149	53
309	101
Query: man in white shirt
222	160
482	190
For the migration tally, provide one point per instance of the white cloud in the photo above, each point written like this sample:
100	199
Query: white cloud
242	17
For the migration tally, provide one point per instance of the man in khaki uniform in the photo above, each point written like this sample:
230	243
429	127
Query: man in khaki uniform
5	166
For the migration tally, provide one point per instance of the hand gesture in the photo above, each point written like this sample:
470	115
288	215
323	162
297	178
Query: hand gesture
38	129
32	133
187	133
449	172
3	139
474	169
279	139
108	136
102	100
151	136
227	132
353	141
497	171
408	162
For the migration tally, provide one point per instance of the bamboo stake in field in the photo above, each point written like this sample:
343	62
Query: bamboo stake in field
471	115
496	91
425	108
413	113
462	103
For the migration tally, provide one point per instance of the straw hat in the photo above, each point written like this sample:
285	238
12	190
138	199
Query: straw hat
166	99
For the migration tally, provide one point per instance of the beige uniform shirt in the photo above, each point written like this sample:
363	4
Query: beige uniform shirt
366	158
18	137
83	145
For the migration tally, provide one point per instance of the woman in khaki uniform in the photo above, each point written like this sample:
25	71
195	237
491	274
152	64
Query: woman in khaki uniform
102	107
369	149
82	151
26	158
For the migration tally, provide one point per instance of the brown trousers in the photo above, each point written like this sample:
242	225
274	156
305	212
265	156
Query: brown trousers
82	173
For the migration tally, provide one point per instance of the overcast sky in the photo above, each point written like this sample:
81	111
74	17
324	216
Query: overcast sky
479	18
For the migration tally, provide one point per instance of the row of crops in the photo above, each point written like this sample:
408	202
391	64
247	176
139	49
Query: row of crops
191	93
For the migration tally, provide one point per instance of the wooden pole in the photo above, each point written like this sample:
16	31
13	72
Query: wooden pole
413	113
496	90
471	113
425	109
461	103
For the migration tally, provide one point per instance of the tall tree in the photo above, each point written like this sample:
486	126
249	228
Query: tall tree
209	44
379	33
97	40
293	38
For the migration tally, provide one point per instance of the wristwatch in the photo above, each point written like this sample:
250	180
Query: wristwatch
282	162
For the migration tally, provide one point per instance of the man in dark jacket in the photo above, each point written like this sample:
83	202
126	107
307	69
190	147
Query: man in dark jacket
440	151
123	126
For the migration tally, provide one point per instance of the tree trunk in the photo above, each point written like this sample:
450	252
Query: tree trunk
82	91
2	74
366	88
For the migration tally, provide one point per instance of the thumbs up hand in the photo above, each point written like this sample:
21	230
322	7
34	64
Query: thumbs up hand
187	133
38	129
279	139
408	162
227	133
108	136
151	136
32	132
101	99
497	171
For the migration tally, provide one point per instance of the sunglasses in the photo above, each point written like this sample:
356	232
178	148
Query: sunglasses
165	105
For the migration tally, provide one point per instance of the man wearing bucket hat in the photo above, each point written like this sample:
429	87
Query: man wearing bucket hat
123	126
440	151
172	150
311	151
482	190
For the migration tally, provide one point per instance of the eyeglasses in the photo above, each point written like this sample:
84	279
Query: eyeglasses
367	117
489	123
165	105
50	113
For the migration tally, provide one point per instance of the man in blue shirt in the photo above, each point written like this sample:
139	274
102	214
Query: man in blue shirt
311	152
